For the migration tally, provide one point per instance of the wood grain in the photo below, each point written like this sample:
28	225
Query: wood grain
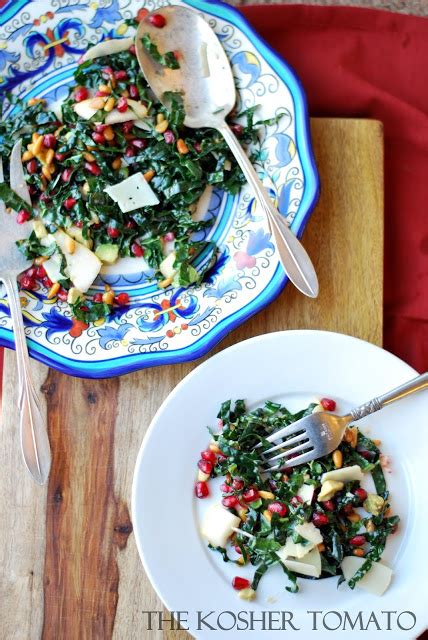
70	568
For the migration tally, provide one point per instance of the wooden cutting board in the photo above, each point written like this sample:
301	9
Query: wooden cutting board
70	568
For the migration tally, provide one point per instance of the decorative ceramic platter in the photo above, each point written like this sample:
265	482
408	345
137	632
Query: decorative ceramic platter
39	50
292	368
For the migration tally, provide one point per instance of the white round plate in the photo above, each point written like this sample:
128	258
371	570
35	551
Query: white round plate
292	367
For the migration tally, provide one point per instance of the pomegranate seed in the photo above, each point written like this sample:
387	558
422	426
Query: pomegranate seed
93	168
98	297
237	129
44	198
81	94
40	272
361	494
122	299
120	75
107	71
365	454
208	455
225	488
176	55
230	502
237	484
240	583
129	152
205	466
279	508
157	20
84	308
137	250
329	505
32	166
201	490
113	232
238	550
127	126
139	143
60	157
132	50
347	509
328	404
32	189
27	283
99	128
133	92
296	501
69	203
251	495
31	272
169	237
49	141
319	519
47	282
66	174
62	295
130	225
79	224
98	138
169	137
22	216
122	104
197	147
357	541
101	94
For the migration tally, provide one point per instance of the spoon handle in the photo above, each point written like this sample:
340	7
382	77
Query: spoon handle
295	261
34	437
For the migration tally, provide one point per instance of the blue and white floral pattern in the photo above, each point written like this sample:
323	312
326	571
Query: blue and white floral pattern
39	49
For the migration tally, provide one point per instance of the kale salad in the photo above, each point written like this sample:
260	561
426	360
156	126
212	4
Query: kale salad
314	520
115	174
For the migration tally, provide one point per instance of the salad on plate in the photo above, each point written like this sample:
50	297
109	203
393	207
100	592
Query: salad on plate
314	520
111	173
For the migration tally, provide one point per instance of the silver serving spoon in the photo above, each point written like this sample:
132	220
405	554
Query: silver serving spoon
206	84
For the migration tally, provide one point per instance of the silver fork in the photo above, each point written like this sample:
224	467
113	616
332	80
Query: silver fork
320	433
33	433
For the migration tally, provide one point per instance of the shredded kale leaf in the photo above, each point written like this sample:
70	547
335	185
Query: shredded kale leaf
11	199
167	59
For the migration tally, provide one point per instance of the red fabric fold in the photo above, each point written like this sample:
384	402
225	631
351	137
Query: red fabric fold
372	64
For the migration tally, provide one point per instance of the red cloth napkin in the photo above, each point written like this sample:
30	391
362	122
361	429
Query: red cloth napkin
372	64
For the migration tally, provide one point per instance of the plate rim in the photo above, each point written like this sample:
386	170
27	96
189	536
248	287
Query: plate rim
124	364
421	624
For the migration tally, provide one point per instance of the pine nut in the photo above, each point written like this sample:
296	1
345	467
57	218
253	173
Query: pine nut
267	495
37	145
52	168
165	283
109	105
70	245
214	447
125	93
108	297
97	103
35	136
370	526
182	146
359	553
351	436
108	133
85	188
160	118
50	154
354	517
162	126
89	157
40	260
46	172
267	514
284	477
321	547
377	442
104	88
240	561
149	175
27	155
116	164
337	459
53	290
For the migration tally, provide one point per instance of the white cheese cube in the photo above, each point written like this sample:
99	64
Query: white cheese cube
309	531
306	492
218	524
132	193
376	580
346	474
309	566
294	549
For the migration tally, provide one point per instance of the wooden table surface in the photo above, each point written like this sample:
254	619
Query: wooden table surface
70	568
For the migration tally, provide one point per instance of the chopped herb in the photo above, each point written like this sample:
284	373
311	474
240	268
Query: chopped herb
167	59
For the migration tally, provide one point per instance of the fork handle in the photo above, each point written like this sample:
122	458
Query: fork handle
416	384
34	438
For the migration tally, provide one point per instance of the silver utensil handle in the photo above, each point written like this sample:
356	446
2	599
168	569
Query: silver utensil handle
416	384
34	437
295	260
